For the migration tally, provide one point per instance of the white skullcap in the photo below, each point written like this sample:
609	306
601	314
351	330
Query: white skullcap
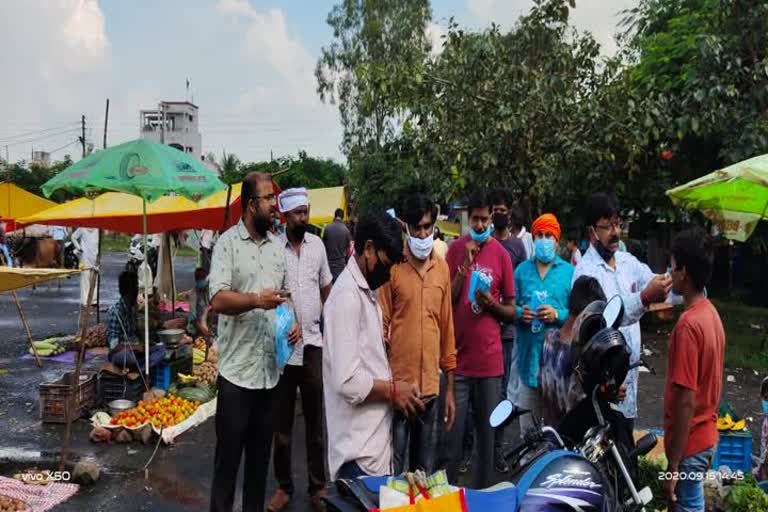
292	198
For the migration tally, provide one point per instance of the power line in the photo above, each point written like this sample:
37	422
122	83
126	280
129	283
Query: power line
72	143
33	132
43	137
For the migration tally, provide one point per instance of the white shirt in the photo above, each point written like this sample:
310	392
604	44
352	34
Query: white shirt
527	240
627	280
353	357
206	240
576	257
306	273
87	240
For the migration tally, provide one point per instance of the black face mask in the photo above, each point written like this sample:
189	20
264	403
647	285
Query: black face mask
603	251
299	230
377	277
262	224
500	221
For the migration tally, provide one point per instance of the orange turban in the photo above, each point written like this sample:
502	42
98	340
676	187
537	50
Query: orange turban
546	222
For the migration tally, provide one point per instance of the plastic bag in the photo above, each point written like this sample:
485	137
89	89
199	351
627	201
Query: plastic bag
284	321
479	281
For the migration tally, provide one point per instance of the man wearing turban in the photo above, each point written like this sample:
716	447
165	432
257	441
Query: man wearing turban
543	285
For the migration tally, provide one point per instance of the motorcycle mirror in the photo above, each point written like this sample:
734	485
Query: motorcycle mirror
613	312
504	413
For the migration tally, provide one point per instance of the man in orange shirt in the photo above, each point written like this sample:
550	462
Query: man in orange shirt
694	375
418	328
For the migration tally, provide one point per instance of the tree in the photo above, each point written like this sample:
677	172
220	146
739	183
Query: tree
304	171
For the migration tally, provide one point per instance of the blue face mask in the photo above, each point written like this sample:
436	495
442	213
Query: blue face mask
480	238
544	249
765	406
201	284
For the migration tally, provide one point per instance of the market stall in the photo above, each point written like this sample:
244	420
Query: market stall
12	279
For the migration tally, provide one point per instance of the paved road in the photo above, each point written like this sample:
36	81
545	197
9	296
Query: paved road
179	476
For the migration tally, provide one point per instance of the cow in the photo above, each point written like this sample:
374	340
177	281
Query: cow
38	253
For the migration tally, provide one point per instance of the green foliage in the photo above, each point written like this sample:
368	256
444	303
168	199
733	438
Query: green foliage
539	111
746	497
648	476
304	171
31	178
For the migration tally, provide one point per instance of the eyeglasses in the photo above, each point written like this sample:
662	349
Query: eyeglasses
616	225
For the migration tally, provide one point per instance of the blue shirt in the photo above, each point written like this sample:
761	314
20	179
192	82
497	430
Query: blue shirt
531	289
121	324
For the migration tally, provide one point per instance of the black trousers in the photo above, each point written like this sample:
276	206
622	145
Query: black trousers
309	380
417	439
244	421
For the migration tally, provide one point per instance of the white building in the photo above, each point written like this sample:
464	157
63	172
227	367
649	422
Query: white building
41	158
181	126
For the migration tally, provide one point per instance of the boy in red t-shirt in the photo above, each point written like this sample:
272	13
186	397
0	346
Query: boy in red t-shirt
694	375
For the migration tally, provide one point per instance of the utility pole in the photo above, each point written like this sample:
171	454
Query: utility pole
82	136
101	232
106	121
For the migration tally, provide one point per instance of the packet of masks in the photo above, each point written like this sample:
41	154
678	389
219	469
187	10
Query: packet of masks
479	281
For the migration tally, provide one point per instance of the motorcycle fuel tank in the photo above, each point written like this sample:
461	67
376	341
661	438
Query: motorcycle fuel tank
566	483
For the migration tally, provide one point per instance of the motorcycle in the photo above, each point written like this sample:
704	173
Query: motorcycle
549	471
591	473
71	255
136	255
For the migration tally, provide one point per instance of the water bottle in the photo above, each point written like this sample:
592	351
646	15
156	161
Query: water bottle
535	323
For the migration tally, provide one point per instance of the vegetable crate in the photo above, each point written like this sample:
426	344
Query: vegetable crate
735	451
56	405
115	387
164	374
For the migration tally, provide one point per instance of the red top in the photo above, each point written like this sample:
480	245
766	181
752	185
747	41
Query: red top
478	336
695	361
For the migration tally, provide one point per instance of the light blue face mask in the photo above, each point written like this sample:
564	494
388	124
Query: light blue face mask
765	406
201	284
481	238
544	249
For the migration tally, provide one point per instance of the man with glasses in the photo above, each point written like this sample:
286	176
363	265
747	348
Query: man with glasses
418	326
620	273
247	282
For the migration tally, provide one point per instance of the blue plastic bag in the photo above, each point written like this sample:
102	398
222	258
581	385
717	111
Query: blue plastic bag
284	321
479	281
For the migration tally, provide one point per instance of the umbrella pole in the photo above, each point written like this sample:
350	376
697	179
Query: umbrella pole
146	294
26	329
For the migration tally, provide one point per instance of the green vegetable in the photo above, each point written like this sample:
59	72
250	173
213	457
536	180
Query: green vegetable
648	476
746	496
194	394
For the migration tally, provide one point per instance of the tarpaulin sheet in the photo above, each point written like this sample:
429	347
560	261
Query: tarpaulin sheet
114	211
15	278
16	203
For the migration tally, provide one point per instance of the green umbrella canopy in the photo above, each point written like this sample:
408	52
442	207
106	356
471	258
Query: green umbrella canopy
141	168
735	198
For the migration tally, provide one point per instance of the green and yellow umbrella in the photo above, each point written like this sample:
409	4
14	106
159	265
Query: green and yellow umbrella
734	198
142	168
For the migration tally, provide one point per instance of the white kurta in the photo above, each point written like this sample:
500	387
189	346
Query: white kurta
87	241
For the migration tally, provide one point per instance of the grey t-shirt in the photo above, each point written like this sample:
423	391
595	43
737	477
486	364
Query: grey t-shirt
337	239
516	250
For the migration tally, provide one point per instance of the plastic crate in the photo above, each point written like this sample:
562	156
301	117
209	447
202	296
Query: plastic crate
735	451
56	405
115	387
164	373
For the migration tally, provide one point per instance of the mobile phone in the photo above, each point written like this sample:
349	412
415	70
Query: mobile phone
426	400
286	294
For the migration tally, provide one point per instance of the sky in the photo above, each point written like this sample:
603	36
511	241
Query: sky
250	64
